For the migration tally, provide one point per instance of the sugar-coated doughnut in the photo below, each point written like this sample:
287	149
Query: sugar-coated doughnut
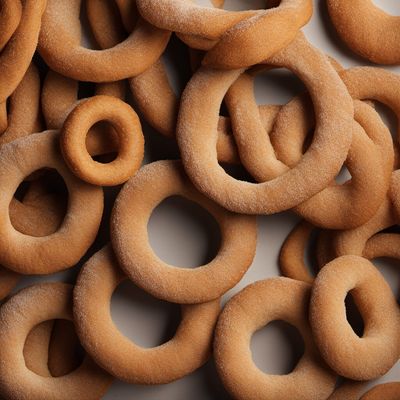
132	210
351	356
184	353
250	310
387	391
25	310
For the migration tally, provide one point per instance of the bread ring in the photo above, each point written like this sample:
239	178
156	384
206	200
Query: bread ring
349	390
377	38
228	31
139	197
184	353
358	358
387	391
18	316
382	245
130	138
20	48
27	254
10	16
196	134
254	307
59	45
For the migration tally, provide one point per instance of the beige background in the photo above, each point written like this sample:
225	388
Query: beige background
184	235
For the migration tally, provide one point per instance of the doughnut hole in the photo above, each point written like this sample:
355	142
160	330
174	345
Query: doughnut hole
183	234
353	315
277	348
343	176
389	268
103	133
159	319
241	5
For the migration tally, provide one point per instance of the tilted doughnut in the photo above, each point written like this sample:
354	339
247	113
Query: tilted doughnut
27	254
132	210
383	245
59	45
387	391
24	108
60	96
20	48
31	306
196	135
229	30
377	38
10	16
351	356
184	353
250	310
130	140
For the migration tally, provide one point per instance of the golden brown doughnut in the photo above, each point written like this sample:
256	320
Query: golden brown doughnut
30	255
349	390
16	56
131	213
386	391
373	33
351	356
382	245
59	45
127	126
250	310
196	134
31	306
226	31
181	355
10	16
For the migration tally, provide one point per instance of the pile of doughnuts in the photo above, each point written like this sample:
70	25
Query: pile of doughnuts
59	152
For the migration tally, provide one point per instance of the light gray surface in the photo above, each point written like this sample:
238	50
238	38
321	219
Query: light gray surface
182	235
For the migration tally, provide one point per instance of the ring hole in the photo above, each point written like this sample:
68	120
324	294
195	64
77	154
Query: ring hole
277	86
310	259
182	233
277	348
241	5
151	322
45	196
353	315
343	176
390	6
102	142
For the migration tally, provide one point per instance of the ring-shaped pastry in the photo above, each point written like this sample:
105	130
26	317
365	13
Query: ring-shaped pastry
378	37
250	310
10	16
127	126
31	255
387	391
184	353
60	46
132	210
196	135
226	31
20	48
25	310
351	356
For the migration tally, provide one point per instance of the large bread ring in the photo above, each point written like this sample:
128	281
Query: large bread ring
227	31
377	38
196	134
351	356
386	391
27	254
31	306
59	45
184	353
133	207
130	140
251	309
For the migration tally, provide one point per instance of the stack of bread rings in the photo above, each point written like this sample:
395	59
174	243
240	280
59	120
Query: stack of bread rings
78	192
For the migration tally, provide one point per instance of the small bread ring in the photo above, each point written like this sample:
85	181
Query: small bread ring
183	354
154	183
386	391
130	139
373	354
27	254
229	30
10	16
196	135
382	245
59	45
377	38
20	48
31	306
251	309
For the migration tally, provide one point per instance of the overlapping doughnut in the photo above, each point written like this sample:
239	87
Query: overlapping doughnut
387	391
184	353
10	16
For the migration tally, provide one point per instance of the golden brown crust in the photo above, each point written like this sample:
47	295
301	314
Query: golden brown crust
387	391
